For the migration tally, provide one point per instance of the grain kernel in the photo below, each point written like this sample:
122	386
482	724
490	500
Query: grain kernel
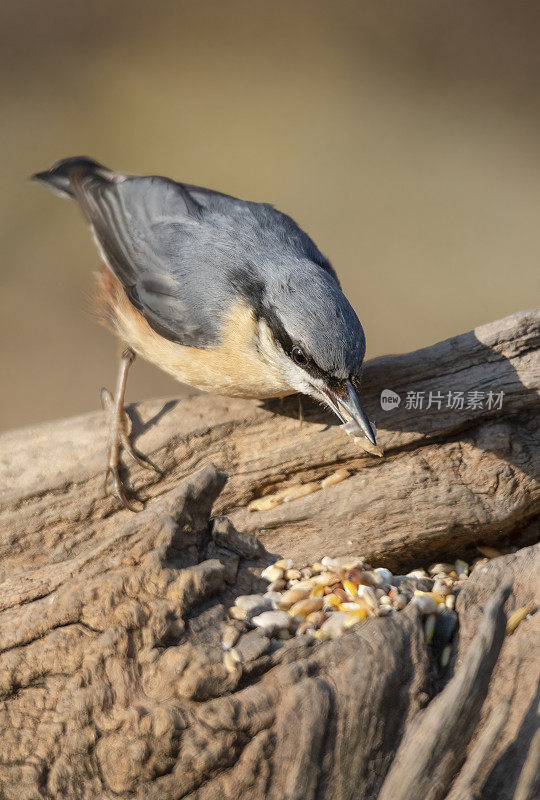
354	617
301	490
292	596
350	606
264	503
333	626
272	574
487	551
316	618
437	597
325	579
321	635
276	586
271	621
461	567
352	575
445	655
385	576
336	477
293	575
440	568
284	564
307	583
304	607
331	588
350	588
429	627
417	573
366	591
441	588
237	613
516	618
331	564
331	601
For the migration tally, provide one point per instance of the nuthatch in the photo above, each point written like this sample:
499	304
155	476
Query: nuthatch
224	294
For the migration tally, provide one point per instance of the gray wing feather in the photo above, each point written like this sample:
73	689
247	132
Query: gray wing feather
139	224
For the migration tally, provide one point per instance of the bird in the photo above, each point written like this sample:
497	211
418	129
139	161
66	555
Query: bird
227	295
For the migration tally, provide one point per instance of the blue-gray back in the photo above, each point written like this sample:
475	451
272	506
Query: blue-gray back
184	253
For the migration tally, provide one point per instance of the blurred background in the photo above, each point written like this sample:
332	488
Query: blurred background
404	137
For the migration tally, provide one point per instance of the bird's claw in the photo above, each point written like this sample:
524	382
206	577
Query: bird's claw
129	449
118	488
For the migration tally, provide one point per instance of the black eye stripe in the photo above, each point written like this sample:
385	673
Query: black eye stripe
281	336
311	367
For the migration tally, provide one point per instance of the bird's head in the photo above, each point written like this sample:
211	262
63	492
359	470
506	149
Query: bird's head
309	332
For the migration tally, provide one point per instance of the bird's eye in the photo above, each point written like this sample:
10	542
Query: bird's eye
298	356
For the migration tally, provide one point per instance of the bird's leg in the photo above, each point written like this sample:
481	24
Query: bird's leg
118	430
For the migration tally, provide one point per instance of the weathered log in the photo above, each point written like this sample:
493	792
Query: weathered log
108	677
112	676
113	681
449	478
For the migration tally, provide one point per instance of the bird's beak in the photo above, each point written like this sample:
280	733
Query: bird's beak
351	405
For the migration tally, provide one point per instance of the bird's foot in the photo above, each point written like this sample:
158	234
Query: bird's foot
119	442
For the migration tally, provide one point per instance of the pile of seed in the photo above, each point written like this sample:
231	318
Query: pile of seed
327	598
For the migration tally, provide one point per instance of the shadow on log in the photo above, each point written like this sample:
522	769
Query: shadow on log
112	676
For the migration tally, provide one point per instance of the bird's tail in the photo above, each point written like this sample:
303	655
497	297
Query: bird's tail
58	177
